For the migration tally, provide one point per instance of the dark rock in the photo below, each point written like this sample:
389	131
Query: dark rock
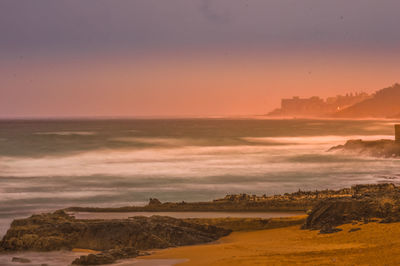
56	231
154	201
94	259
367	203
354	229
144	253
327	229
334	212
297	201
106	257
377	148
20	260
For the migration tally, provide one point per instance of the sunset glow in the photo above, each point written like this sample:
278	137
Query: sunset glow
196	58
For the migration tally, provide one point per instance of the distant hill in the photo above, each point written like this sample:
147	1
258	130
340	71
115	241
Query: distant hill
383	104
316	106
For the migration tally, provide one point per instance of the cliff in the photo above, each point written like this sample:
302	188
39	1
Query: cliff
383	104
316	106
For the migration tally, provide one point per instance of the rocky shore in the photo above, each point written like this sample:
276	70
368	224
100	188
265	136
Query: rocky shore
116	239
384	148
297	201
379	202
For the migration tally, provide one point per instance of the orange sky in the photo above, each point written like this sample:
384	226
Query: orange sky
199	58
186	85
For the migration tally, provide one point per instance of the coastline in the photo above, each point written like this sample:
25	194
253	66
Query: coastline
289	202
338	229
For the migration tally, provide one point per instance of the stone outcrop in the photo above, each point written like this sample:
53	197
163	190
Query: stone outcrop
377	148
367	202
250	224
297	201
106	257
154	201
116	238
20	260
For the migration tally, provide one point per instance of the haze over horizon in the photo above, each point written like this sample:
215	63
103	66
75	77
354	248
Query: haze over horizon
190	58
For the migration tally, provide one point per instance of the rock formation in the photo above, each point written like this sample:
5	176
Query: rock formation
20	260
376	148
106	257
367	202
123	238
297	201
117	238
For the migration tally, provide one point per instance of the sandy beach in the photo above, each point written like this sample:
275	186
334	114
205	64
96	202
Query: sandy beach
374	244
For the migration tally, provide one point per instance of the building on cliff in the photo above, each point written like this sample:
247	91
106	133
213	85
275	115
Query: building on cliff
316	106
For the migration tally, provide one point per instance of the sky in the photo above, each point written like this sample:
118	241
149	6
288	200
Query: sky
70	58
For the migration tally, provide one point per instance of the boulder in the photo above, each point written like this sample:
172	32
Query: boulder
154	201
106	257
367	202
327	229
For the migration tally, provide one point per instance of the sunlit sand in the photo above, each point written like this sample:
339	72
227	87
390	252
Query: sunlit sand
374	244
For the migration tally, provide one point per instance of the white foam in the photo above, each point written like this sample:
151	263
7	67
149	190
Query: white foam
67	133
178	162
50	194
147	140
312	140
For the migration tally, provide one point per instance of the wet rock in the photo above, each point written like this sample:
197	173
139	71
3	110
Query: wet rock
56	231
378	148
94	259
297	201
327	229
367	203
106	257
20	260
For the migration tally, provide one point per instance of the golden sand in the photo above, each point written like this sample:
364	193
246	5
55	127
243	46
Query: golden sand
90	251
374	244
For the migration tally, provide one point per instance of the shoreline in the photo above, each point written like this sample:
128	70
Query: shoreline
356	244
336	215
289	202
185	215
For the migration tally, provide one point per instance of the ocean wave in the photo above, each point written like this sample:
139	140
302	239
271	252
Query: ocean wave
153	141
51	195
313	140
67	133
187	161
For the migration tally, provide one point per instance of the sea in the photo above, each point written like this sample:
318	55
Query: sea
48	164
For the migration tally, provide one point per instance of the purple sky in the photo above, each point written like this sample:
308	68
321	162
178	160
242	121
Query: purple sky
198	57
